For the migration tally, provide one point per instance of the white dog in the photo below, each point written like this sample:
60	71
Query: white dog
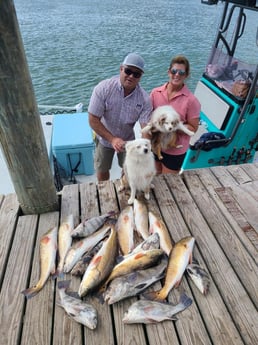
164	123
139	168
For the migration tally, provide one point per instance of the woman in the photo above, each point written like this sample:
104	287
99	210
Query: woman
176	93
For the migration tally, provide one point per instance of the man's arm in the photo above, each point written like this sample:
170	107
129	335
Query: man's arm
98	127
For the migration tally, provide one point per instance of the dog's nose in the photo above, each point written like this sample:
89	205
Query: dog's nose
145	151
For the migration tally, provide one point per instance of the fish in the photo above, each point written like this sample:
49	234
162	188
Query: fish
179	258
101	265
64	241
90	225
125	230
80	267
147	312
141	218
152	242
47	254
81	247
157	225
200	277
77	309
134	283
138	261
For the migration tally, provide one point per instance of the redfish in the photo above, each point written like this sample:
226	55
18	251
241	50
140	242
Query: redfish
138	261
64	241
125	230
81	247
47	250
100	266
179	258
141	218
157	225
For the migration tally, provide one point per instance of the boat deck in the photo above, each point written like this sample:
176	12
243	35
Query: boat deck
218	206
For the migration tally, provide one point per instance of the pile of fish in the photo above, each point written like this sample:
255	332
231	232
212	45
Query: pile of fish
119	256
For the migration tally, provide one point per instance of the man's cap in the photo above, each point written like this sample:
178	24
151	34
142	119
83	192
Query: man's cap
134	60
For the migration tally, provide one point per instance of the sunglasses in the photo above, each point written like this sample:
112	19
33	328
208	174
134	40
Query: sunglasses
179	71
136	75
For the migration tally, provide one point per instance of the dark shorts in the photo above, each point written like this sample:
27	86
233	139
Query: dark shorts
172	162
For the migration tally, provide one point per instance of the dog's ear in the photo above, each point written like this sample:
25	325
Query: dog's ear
128	145
162	119
175	122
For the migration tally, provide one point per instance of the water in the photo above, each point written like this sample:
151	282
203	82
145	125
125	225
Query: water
71	46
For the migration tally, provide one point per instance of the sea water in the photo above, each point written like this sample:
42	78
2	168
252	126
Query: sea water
72	45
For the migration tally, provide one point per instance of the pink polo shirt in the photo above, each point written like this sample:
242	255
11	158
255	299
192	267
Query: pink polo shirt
187	106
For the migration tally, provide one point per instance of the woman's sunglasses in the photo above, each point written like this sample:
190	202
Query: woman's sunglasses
136	75
179	71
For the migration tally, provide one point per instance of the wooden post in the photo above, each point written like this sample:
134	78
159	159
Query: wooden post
21	134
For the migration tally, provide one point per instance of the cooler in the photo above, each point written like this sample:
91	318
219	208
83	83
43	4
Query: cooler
72	143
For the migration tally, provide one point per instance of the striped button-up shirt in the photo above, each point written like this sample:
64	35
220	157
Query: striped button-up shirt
118	113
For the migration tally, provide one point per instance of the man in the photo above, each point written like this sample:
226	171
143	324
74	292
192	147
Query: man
115	106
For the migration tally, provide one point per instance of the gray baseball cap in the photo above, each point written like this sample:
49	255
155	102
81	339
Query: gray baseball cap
135	60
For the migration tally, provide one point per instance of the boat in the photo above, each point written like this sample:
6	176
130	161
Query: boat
227	91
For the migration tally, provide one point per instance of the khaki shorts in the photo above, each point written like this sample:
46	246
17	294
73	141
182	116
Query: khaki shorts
104	158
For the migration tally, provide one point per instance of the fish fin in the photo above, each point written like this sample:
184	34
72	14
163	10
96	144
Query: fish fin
206	290
73	294
140	286
111	221
154	296
138	256
177	283
185	300
31	292
195	261
191	258
100	297
58	274
119	259
63	284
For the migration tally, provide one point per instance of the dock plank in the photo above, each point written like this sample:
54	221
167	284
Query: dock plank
229	210
8	218
37	328
214	316
231	289
17	271
104	331
66	330
125	334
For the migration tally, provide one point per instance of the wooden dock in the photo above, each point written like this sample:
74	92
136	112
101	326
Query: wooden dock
218	206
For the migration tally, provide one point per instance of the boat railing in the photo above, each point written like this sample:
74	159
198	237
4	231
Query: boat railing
59	109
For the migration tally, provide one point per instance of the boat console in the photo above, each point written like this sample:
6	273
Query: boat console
228	93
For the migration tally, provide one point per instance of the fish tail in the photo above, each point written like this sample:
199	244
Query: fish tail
58	274
31	292
63	284
185	300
